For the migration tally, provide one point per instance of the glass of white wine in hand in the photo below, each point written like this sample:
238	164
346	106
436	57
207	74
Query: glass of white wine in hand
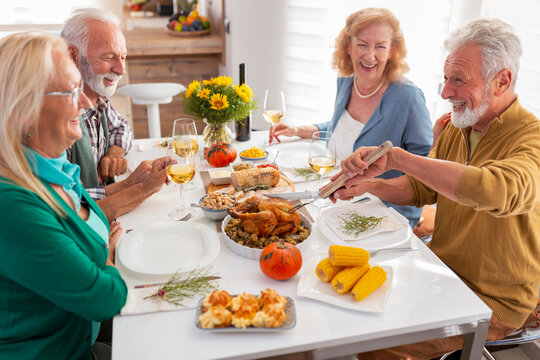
274	106
182	172
322	157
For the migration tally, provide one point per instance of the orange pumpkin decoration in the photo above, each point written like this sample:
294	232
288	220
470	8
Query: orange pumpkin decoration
280	260
221	154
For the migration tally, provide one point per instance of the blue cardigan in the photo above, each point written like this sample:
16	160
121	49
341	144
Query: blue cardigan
401	117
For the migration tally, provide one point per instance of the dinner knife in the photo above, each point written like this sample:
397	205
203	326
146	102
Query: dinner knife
307	194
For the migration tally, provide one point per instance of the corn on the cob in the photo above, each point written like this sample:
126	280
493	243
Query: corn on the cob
347	256
261	176
345	279
326	271
368	283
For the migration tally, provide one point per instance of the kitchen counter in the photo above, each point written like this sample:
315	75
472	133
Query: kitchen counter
143	42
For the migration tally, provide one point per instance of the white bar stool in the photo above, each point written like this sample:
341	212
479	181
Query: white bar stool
151	95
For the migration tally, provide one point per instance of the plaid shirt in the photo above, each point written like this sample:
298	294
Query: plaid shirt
120	134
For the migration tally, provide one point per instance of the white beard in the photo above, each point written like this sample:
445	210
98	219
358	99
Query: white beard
470	117
95	81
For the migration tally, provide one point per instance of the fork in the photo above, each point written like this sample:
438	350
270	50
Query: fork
403	249
186	218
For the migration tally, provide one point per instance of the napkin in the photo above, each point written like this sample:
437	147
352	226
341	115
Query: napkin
392	221
137	304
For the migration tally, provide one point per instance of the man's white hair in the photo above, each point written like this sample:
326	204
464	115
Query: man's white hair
500	46
75	30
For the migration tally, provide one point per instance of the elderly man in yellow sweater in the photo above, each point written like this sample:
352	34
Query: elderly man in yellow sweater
484	175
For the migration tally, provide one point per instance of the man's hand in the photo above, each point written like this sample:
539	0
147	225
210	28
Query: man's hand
112	163
355	165
158	175
140	173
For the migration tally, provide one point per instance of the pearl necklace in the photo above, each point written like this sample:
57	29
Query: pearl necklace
370	94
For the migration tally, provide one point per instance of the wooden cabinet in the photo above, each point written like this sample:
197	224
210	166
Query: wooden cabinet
155	56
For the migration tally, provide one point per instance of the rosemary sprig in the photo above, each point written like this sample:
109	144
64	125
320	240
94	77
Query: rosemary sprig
354	223
255	187
175	290
307	173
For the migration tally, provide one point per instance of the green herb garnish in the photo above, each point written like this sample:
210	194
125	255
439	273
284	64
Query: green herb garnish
354	223
176	289
307	173
255	187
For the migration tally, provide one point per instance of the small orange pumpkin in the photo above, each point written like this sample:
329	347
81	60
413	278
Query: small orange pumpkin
280	260
221	154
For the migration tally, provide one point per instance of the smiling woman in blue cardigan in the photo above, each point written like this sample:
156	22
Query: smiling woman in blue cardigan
57	277
374	102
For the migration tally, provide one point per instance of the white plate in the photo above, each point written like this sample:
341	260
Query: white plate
311	287
290	323
169	247
393	232
295	155
253	253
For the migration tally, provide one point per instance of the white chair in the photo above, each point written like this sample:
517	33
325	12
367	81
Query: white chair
151	95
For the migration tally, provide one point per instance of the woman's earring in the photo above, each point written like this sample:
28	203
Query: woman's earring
28	135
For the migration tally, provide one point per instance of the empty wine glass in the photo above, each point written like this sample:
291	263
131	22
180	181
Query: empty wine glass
322	156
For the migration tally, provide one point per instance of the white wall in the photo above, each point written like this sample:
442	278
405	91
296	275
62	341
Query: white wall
256	38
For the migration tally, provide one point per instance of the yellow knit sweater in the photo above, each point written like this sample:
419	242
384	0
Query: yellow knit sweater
491	236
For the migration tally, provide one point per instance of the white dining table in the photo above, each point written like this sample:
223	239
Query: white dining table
426	301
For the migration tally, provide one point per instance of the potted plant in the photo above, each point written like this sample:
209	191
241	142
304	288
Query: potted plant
218	101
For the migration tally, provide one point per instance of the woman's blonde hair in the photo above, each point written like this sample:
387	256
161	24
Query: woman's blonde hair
26	69
356	22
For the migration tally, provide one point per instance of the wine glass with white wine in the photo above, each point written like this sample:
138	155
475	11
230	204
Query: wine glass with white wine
322	156
184	131
182	150
274	106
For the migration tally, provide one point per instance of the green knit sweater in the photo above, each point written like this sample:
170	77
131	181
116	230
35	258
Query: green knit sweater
491	236
53	278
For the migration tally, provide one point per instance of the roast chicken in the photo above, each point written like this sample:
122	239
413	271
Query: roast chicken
266	217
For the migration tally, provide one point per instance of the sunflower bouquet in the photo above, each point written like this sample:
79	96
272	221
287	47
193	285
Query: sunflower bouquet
218	100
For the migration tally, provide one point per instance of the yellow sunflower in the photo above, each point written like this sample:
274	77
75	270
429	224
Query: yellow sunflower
203	94
244	92
222	80
207	82
219	102
192	87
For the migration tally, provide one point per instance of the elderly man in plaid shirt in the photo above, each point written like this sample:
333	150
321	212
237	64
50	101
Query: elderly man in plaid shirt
98	48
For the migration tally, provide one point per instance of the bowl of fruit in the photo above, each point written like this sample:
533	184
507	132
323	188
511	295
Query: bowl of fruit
188	24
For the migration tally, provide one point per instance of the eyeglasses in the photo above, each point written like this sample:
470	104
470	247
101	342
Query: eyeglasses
75	94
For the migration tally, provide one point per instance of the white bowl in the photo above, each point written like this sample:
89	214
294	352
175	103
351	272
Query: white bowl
220	180
215	214
254	254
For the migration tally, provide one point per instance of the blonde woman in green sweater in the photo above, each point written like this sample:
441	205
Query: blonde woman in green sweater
484	175
57	274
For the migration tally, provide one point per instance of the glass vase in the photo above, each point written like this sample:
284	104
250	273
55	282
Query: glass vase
215	133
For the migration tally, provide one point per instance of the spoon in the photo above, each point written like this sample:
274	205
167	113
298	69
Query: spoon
198	206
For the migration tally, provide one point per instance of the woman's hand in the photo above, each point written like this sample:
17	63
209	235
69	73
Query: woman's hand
305	132
280	129
114	235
